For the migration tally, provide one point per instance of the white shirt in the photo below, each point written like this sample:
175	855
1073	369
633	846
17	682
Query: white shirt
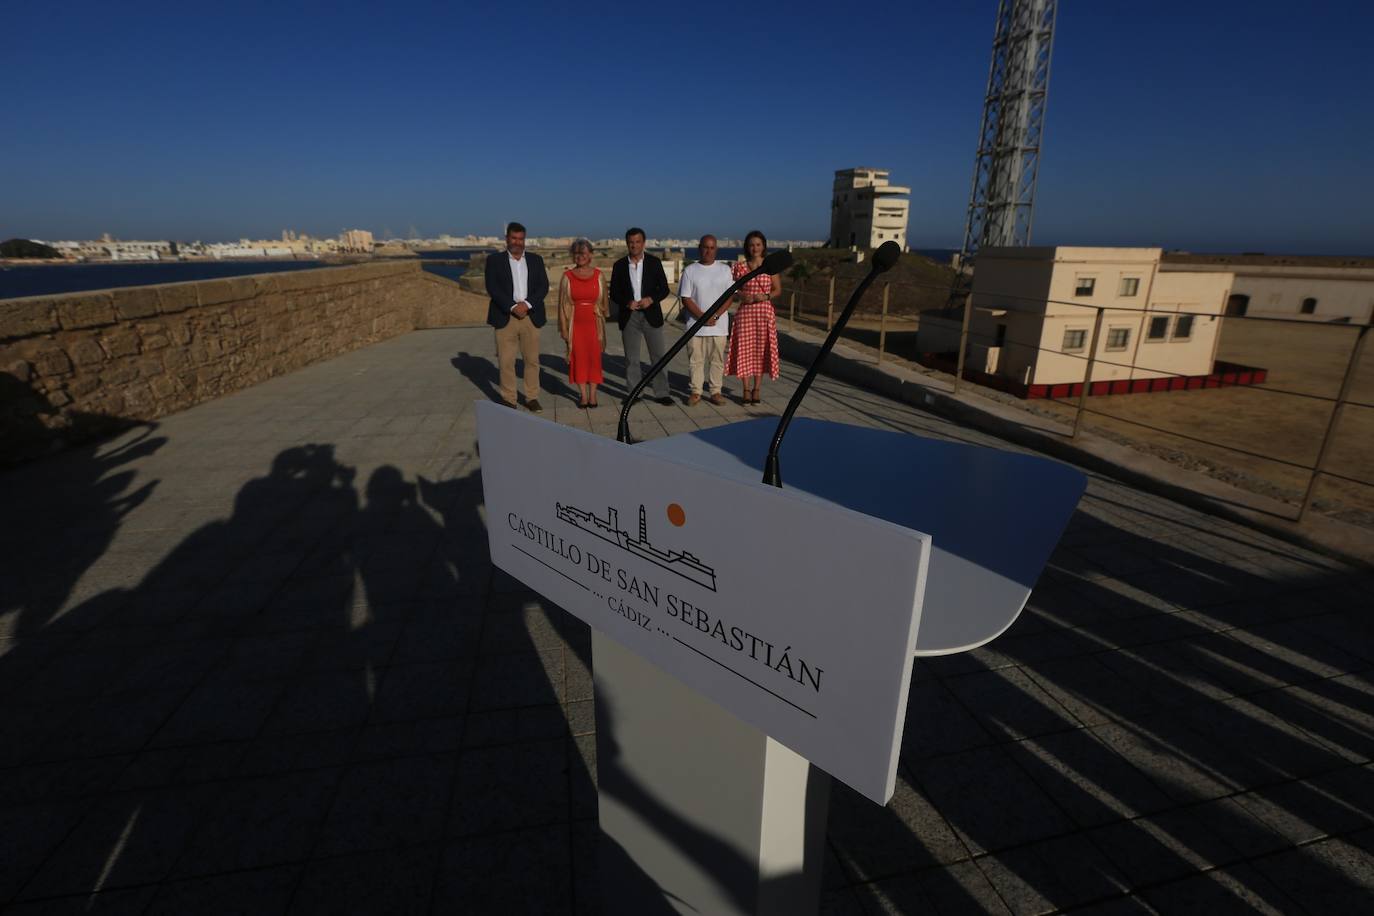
703	284
519	279
637	277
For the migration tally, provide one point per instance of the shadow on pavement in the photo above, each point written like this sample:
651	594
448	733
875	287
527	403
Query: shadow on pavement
329	701
1159	722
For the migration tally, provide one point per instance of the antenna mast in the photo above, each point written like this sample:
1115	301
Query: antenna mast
1008	158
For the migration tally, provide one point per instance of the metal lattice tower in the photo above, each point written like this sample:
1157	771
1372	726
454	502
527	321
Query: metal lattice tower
999	209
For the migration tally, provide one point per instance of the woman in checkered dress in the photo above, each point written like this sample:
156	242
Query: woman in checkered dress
754	326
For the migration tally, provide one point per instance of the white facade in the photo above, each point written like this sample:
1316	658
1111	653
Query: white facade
249	249
1304	288
1034	312
137	250
355	240
866	211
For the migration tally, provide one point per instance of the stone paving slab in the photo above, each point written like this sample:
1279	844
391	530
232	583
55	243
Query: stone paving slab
253	658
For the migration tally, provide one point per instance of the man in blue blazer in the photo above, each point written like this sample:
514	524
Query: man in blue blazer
517	285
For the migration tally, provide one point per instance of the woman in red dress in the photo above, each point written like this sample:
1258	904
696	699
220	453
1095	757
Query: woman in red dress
582	321
754	326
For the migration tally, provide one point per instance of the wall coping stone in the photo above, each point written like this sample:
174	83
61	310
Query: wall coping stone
31	316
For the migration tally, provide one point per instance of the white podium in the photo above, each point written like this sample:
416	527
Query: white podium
750	640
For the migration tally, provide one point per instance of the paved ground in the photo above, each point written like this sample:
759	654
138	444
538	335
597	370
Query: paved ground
253	659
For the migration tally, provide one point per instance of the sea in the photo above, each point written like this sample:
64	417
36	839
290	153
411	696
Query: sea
53	279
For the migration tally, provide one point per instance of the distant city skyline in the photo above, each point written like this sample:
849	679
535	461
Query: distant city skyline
1222	126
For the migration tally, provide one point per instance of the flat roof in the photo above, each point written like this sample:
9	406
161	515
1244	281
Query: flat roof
1258	259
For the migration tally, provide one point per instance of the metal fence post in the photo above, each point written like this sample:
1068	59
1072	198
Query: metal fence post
792	311
1336	411
830	306
963	343
1087	375
882	323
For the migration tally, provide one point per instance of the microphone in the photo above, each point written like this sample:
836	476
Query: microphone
774	263
883	260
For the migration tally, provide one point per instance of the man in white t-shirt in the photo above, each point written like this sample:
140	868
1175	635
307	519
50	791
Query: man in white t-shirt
702	284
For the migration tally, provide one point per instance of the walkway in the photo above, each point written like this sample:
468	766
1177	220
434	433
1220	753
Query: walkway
252	659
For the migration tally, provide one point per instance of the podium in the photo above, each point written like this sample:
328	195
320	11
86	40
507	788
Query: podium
752	642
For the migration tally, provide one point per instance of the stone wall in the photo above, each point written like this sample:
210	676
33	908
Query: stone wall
81	364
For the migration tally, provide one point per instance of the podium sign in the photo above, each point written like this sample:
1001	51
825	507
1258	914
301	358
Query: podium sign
794	614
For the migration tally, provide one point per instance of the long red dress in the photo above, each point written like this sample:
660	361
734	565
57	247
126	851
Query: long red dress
584	347
753	330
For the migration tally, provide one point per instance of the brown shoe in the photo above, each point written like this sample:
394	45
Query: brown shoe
694	400
717	399
533	406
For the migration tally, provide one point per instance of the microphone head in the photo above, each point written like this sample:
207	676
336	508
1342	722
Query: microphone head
777	262
886	256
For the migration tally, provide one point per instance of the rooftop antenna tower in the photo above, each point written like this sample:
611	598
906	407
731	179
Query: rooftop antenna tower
1004	171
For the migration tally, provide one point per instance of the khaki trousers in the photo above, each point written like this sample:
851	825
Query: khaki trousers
520	335
706	357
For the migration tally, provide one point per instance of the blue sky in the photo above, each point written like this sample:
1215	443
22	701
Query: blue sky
1208	125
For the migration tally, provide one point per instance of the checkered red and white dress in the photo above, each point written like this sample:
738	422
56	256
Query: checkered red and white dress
753	330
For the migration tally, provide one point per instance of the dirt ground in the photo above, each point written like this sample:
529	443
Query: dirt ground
1261	438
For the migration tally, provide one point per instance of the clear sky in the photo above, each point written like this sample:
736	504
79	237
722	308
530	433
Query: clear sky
1210	124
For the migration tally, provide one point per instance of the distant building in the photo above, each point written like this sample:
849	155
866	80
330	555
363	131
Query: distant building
248	248
1309	288
866	211
138	251
1034	311
355	240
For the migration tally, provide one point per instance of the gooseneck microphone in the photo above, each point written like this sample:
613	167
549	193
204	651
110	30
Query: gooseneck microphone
883	260
775	263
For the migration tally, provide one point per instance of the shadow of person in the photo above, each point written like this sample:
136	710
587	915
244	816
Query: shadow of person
482	372
554	377
22	429
156	695
76	499
522	764
614	366
394	533
458	568
395	543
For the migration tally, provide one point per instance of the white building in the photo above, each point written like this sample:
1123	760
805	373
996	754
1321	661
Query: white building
138	250
1034	311
355	240
866	211
248	248
1281	286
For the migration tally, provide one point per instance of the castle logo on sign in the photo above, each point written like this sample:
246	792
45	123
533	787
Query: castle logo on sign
675	561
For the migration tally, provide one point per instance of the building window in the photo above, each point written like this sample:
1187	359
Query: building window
1074	340
1309	305
1118	338
1183	327
1158	328
1084	286
1129	286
